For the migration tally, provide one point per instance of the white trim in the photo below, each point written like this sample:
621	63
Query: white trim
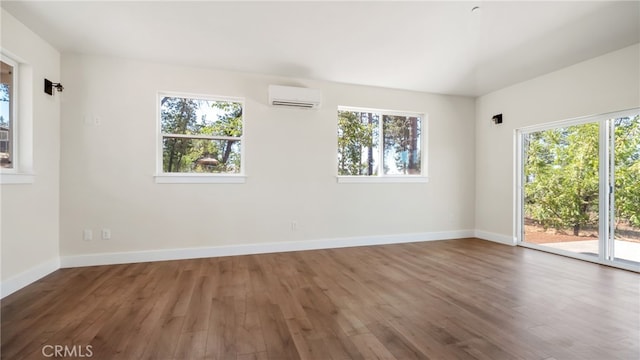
17	282
578	121
609	197
197	96
200	137
382	179
248	249
381	111
36	273
518	186
185	178
499	238
15	178
604	181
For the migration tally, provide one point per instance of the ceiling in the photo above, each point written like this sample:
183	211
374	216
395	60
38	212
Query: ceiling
432	46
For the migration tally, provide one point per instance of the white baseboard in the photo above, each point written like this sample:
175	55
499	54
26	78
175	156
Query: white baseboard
248	249
499	238
27	277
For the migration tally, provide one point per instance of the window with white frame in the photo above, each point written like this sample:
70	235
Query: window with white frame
8	101
379	143
200	135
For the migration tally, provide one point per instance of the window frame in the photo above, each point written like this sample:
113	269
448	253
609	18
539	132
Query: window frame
380	177
14	123
162	177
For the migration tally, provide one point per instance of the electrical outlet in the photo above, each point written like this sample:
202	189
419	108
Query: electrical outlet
106	234
87	235
92	120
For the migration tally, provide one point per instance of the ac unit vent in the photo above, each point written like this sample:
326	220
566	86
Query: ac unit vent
293	104
294	97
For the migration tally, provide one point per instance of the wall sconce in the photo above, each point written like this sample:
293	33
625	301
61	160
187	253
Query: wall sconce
48	87
497	119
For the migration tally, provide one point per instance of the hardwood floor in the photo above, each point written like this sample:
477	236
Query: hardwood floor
455	299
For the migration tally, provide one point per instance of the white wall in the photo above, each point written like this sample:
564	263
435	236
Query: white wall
92	176
107	170
604	84
30	212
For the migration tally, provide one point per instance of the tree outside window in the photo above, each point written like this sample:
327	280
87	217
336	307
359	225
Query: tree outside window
201	135
379	143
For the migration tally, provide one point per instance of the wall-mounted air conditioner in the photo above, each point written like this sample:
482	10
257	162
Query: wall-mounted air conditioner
294	97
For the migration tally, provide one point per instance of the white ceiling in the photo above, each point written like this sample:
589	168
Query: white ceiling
433	46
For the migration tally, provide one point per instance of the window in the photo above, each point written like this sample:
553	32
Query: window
200	136
379	145
8	77
16	121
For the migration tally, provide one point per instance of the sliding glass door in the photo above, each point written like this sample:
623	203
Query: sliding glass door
625	196
579	188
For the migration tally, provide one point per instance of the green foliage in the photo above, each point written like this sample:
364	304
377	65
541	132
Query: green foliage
217	155
357	138
627	170
359	143
402	141
178	116
561	173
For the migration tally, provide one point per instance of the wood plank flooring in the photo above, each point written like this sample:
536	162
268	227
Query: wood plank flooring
454	299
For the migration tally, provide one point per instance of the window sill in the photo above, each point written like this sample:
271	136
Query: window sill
16	178
382	179
199	179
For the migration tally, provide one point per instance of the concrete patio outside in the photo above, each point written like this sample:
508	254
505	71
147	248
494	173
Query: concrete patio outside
624	250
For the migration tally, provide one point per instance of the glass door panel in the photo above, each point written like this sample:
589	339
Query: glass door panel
561	188
626	191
